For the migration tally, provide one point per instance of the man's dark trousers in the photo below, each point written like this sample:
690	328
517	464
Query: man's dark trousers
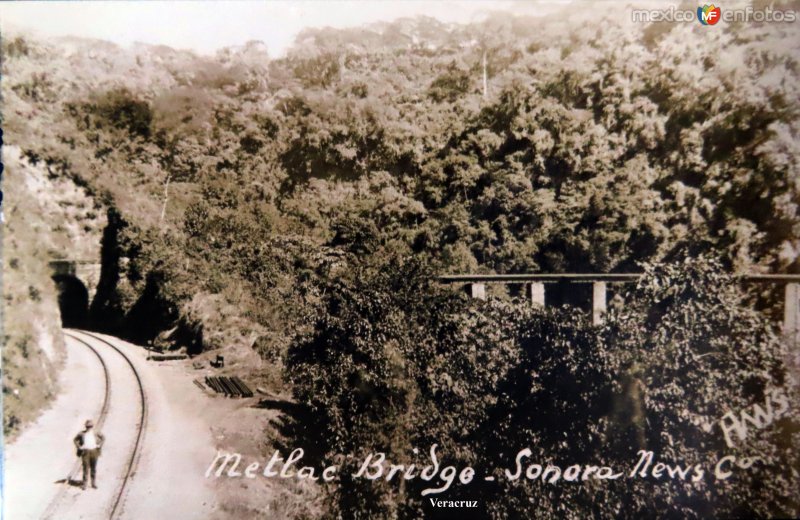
89	459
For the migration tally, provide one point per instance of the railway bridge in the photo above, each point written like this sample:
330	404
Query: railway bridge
535	289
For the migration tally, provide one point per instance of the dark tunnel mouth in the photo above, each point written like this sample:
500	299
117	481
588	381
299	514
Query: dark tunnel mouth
73	301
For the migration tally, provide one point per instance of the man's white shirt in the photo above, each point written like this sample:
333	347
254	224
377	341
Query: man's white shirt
89	441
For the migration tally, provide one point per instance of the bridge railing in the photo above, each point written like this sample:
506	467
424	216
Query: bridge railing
535	283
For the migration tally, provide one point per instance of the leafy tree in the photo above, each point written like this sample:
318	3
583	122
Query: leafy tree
121	109
394	363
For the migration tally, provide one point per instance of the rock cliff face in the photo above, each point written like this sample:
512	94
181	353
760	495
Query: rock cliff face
47	218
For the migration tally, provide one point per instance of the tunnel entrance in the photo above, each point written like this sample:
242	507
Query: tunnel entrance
73	301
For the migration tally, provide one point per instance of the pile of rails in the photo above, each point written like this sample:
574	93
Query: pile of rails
230	386
166	357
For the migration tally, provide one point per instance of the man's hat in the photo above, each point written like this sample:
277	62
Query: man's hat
89	423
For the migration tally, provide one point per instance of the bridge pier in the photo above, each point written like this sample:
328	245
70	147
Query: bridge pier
535	292
477	290
598	302
791	313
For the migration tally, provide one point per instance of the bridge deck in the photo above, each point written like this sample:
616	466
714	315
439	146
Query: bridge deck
591	277
536	292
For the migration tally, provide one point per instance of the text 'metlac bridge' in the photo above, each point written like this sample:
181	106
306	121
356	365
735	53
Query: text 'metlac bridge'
535	289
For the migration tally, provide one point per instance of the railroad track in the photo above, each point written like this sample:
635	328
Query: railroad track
52	507
133	459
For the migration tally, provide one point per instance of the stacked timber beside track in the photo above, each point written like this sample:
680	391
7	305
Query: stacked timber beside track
229	386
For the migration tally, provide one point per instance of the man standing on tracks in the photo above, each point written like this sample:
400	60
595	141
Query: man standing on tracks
89	442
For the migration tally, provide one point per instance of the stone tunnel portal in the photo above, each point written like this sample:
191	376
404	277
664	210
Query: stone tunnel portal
73	300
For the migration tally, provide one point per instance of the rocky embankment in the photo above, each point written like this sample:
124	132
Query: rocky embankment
46	217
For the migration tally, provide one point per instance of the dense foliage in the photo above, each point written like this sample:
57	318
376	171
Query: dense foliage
298	208
394	364
597	144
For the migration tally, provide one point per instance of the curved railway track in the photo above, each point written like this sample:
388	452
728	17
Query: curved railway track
133	459
101	417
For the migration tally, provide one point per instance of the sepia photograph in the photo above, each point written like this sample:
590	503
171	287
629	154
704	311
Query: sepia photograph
400	259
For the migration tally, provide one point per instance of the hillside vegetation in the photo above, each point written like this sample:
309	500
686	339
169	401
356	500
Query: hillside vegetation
295	210
46	217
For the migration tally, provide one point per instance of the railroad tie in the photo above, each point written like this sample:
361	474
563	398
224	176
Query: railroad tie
235	386
234	381
246	392
230	386
220	386
214	384
239	388
230	390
